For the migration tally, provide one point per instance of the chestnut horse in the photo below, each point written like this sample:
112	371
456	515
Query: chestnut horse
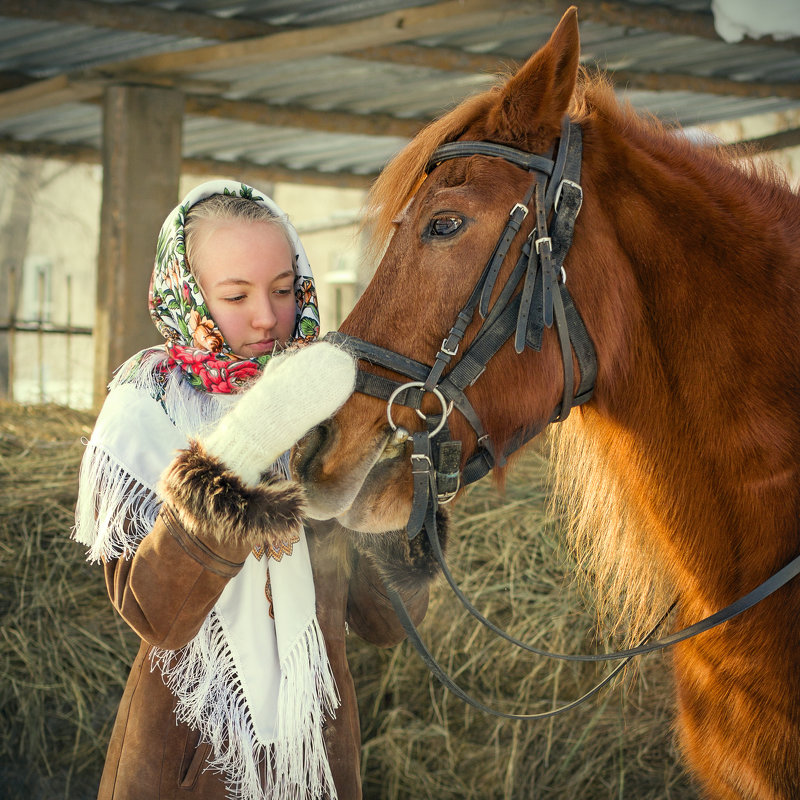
682	469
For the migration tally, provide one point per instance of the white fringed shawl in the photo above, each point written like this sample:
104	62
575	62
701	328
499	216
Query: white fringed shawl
257	689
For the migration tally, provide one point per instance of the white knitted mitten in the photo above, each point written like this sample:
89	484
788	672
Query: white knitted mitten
297	390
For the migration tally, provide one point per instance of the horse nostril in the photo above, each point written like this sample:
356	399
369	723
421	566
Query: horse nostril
308	449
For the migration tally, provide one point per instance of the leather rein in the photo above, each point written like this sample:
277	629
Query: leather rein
542	301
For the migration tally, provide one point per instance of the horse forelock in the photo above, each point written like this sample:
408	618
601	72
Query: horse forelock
402	176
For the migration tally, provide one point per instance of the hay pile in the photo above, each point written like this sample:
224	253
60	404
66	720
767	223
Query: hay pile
64	655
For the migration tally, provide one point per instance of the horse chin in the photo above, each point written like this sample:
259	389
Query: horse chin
370	492
383	502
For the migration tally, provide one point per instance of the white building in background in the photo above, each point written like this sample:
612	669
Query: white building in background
56	275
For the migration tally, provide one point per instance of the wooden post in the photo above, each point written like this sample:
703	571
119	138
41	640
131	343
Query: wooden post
13	249
141	170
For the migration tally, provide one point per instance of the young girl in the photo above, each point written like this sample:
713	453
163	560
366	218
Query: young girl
185	499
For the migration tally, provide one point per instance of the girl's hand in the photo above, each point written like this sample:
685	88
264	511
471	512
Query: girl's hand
297	390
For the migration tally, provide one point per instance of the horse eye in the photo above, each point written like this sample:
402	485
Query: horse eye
444	225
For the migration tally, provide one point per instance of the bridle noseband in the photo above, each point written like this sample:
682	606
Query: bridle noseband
542	301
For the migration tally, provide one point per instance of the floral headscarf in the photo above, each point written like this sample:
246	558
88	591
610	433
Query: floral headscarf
194	342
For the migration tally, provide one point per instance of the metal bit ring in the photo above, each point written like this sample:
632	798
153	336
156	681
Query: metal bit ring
418	384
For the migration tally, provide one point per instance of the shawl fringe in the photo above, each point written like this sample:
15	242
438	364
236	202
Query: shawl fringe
204	679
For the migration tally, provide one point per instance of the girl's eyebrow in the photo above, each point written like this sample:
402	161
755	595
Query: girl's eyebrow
232	282
243	282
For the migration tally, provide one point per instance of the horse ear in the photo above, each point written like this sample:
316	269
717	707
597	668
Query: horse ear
538	96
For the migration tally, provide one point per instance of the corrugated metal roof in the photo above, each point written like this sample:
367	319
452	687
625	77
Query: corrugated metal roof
415	86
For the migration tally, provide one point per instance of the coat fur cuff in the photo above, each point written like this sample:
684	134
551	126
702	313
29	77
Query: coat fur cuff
407	565
212	502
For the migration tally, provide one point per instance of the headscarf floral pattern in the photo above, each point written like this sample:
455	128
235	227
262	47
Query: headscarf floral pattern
194	342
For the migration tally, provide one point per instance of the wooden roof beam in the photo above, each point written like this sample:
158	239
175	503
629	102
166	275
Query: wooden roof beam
782	140
85	154
305	118
151	19
136	18
46	93
698	84
375	32
288	116
449	16
448	59
664	18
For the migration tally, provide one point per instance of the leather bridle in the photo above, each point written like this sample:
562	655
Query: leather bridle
534	297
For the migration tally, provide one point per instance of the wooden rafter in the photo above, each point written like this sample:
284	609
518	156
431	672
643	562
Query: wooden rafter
767	144
46	94
266	173
84	154
135	18
452	60
449	16
672	82
303	118
380	38
664	18
152	19
375	38
283	46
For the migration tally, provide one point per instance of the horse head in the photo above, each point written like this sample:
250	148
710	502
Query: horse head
444	224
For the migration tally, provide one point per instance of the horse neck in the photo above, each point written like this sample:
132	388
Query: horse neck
699	408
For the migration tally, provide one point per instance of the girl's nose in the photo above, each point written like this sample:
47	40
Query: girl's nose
265	315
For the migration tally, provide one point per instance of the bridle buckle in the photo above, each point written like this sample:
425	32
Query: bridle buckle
444	349
420	463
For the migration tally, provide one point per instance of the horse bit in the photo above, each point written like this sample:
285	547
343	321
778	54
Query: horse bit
543	300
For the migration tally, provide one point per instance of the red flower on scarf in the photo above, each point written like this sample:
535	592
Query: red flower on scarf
217	375
241	371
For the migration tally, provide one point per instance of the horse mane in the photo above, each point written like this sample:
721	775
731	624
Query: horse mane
620	566
626	568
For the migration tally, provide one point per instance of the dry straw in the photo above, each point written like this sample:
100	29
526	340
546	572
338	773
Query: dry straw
64	654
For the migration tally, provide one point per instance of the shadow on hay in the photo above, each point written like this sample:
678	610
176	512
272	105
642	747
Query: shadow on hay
64	654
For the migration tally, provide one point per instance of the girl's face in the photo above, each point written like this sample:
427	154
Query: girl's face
245	271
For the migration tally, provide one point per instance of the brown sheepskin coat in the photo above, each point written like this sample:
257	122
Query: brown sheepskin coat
204	532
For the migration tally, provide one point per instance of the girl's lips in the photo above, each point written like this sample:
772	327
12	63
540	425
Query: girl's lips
262	347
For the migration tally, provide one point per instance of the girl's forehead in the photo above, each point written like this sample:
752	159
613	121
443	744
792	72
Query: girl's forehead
249	250
225	232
